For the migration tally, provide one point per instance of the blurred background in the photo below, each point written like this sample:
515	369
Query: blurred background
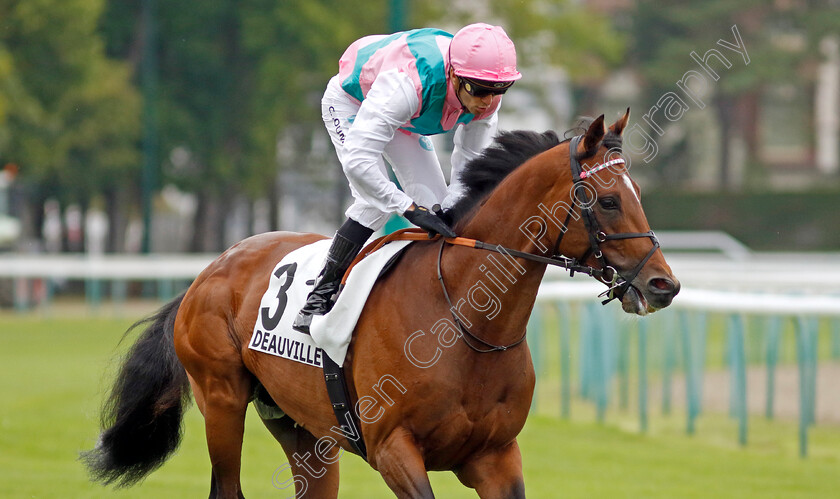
140	138
148	126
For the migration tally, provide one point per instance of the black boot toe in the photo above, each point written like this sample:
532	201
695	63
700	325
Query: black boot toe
302	322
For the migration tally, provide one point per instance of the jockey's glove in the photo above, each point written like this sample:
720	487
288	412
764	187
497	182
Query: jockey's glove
425	219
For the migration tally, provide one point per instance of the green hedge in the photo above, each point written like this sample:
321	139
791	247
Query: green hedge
763	221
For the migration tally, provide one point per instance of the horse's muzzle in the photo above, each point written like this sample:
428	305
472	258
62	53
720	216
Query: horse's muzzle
661	291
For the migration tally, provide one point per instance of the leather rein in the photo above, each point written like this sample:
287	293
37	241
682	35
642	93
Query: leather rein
617	282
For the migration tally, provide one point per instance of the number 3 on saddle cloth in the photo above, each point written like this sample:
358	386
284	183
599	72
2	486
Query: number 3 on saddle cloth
330	334
286	294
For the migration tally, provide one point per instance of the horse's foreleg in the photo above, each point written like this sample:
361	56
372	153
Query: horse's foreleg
314	472
495	475
401	465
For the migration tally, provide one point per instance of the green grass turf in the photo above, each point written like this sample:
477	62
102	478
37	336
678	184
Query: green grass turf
53	373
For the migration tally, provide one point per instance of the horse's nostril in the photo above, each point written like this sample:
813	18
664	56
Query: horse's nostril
661	286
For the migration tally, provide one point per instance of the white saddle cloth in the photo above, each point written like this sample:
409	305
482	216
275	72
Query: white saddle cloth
286	295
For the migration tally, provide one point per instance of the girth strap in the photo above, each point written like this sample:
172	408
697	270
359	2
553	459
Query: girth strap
343	409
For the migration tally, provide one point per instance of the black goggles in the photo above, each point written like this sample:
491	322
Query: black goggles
481	88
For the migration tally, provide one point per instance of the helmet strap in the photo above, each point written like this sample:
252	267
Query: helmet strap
458	91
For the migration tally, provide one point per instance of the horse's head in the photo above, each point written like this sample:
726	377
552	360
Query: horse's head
603	226
613	231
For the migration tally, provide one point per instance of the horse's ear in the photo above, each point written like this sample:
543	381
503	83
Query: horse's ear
621	124
594	135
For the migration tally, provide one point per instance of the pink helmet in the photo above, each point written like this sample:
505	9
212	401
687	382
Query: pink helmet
483	52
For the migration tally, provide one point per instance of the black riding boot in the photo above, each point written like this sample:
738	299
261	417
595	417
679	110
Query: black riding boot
345	246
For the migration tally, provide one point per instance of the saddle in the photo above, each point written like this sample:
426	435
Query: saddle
326	345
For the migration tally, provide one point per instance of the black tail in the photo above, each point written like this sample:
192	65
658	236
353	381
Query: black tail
141	419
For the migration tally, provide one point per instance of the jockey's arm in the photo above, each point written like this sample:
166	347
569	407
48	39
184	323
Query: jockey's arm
390	103
470	140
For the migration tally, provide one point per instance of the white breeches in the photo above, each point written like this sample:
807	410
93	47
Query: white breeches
411	156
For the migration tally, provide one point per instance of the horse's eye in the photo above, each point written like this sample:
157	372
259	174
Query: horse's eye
608	203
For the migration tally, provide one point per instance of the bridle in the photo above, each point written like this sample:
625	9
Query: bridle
617	283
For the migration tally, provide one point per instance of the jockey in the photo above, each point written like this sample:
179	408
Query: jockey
390	93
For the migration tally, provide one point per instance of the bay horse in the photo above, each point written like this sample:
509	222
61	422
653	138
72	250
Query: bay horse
437	385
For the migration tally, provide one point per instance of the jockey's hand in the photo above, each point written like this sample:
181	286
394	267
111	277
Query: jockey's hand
425	219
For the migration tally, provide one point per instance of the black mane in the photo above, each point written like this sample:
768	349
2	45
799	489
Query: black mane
484	173
508	151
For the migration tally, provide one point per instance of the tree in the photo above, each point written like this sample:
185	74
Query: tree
779	39
234	76
67	113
